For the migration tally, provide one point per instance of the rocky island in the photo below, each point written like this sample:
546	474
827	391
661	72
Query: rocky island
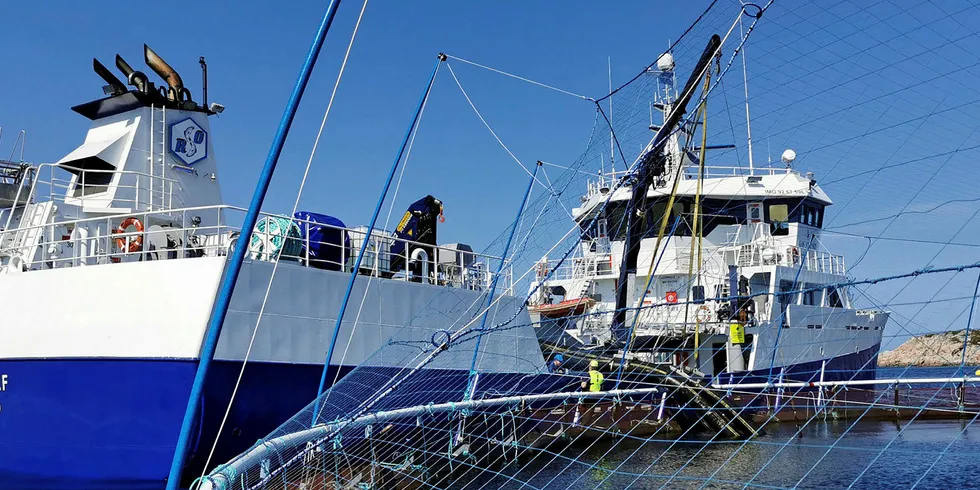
933	349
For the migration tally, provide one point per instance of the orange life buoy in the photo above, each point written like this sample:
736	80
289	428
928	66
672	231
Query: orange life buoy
136	244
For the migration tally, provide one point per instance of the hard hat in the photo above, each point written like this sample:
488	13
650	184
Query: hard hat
594	364
559	358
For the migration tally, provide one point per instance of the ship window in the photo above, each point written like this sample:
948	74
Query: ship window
785	291
833	298
589	228
94	176
717	212
807	216
811	215
616	220
779	219
655	217
811	297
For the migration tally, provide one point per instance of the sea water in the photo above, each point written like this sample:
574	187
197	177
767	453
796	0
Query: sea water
862	454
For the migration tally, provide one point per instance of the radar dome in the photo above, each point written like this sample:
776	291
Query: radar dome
665	62
788	156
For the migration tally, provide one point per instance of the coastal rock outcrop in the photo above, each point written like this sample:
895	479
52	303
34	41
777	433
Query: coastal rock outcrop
933	349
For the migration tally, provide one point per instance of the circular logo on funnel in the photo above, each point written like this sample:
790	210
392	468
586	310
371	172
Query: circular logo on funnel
188	141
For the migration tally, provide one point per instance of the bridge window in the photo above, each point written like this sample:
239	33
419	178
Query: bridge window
833	298
811	296
779	219
812	215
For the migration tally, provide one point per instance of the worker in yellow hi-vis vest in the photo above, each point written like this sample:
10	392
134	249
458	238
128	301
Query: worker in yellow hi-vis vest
595	377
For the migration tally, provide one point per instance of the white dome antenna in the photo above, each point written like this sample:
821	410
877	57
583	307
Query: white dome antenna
665	62
788	156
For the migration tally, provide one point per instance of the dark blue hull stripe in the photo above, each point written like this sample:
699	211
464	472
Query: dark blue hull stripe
113	423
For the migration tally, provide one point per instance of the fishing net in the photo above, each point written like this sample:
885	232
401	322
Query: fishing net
274	237
879	103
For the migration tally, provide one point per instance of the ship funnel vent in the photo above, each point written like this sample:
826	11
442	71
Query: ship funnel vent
175	85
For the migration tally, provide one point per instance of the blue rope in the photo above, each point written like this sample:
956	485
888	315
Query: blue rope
471	383
238	256
367	237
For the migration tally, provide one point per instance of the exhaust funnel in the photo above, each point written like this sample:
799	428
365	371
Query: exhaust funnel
177	92
135	78
114	87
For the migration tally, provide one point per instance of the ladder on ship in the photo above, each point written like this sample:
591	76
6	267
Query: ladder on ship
25	235
157	199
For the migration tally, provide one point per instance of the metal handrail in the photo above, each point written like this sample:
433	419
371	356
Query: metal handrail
607	180
217	239
54	182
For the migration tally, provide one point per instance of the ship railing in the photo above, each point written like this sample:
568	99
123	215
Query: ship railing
604	181
760	254
16	179
655	313
579	267
184	233
93	186
711	171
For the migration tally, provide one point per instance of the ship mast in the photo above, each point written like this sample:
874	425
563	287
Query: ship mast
652	164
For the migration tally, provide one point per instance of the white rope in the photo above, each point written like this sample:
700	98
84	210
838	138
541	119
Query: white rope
563	167
485	123
551	186
275	266
518	77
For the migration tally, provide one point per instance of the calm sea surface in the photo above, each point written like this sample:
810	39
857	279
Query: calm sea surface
821	454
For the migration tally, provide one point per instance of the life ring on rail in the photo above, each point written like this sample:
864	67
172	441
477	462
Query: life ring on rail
136	244
702	314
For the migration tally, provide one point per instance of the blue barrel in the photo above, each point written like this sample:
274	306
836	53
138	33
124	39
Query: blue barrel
324	239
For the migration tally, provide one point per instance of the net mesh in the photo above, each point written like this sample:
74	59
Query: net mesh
878	100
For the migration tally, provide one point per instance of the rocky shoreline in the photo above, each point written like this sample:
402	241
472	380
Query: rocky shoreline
933	350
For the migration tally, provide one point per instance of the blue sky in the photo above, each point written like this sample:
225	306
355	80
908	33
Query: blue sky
879	100
255	50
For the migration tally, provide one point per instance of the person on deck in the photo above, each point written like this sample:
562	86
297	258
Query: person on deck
595	377
555	366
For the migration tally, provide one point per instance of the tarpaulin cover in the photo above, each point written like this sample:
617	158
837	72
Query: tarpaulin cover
328	245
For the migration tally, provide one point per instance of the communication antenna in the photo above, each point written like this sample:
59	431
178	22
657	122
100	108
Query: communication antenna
745	83
788	156
612	152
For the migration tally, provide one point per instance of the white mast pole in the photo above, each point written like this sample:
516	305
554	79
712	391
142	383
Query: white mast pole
612	150
745	83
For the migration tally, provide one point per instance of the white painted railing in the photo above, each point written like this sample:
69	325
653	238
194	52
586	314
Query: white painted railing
587	267
758	254
94	241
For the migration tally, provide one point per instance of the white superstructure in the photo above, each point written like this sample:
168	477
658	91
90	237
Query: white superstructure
757	229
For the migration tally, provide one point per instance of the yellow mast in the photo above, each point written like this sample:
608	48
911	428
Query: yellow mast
697	227
670	204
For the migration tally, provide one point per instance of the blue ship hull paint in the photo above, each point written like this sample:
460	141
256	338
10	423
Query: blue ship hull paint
90	423
113	423
859	365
